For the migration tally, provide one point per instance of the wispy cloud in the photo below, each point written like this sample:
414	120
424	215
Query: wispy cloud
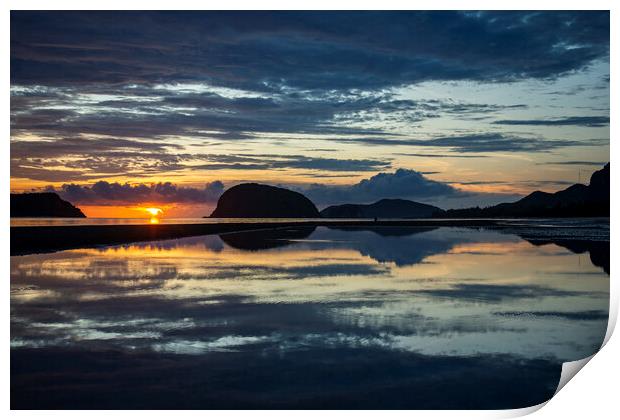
598	121
476	143
82	159
575	162
439	155
270	161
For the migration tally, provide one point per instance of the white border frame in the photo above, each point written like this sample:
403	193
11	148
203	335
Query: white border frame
593	394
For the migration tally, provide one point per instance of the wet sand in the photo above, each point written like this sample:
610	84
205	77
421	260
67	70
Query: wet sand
39	239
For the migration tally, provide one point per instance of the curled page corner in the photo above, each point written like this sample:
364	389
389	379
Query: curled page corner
569	370
613	315
521	412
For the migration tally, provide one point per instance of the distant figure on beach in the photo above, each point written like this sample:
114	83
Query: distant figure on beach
375	219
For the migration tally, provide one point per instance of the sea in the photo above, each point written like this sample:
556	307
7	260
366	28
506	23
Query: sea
364	317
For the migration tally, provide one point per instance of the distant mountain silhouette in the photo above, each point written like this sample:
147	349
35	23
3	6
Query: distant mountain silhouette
577	200
386	208
258	200
42	205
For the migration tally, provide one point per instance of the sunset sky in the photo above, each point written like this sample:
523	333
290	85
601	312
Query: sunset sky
121	110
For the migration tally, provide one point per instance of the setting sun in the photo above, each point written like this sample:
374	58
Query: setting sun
154	211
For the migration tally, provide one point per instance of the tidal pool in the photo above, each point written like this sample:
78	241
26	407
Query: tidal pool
429	318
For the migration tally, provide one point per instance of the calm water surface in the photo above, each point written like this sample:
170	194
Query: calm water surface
91	221
307	318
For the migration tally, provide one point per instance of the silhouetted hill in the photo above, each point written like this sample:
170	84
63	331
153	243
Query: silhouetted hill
42	205
578	200
386	208
258	200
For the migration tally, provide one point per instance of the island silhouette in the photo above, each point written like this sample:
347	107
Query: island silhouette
252	200
263	201
394	208
42	205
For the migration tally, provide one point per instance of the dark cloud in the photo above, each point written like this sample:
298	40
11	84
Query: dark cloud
67	146
104	192
250	162
40	173
326	175
234	76
527	183
476	143
321	150
598	121
77	158
478	182
266	51
84	159
438	155
403	183
496	142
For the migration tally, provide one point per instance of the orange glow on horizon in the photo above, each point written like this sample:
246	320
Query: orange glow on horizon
123	212
140	212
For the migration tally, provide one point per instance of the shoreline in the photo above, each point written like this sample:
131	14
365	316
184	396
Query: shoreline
41	239
26	240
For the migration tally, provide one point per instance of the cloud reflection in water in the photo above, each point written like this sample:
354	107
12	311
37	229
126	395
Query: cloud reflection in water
304	318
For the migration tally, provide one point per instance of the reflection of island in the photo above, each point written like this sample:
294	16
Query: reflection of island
598	250
266	239
401	246
385	230
416	244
